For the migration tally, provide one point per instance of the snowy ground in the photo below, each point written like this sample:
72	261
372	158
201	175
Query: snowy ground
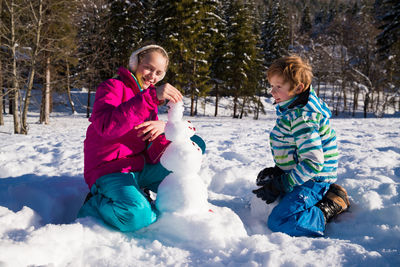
42	188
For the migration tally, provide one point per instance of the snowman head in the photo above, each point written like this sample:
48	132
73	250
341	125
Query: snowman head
177	129
175	111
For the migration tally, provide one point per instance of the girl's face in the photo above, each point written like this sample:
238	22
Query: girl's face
280	89
151	69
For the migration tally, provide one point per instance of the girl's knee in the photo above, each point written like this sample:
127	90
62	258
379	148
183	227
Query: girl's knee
129	218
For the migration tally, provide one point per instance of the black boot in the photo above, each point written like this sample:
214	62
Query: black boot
334	202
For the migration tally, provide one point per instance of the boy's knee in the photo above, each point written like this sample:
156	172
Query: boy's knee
274	223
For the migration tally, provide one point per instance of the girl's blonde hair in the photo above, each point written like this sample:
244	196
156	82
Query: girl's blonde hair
292	69
142	54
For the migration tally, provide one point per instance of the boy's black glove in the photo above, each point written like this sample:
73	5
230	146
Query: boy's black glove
271	190
267	174
274	182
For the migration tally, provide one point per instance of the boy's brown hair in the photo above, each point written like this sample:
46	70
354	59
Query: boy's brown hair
292	69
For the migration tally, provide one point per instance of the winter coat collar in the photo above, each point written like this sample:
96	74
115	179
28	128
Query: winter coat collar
297	101
129	79
308	101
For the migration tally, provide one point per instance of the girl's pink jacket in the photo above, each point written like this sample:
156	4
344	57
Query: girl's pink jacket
111	143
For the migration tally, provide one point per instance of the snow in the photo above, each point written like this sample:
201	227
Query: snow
42	188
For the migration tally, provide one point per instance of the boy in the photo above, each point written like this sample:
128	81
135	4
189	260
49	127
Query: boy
304	149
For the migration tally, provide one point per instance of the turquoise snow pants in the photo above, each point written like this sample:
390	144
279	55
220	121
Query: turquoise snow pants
296	213
118	198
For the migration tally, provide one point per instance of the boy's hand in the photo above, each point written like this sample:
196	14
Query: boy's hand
270	191
273	186
267	174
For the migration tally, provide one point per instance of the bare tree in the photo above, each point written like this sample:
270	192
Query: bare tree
11	34
71	102
45	106
36	17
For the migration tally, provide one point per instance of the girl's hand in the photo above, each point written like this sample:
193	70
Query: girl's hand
167	91
150	130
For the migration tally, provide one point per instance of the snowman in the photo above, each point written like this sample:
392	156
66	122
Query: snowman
185	214
183	190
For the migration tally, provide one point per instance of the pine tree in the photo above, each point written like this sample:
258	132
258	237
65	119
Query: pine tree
256	78
94	64
126	28
218	74
305	25
184	30
389	15
242	52
275	34
65	55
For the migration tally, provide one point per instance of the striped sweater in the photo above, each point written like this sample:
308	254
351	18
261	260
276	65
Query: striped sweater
303	142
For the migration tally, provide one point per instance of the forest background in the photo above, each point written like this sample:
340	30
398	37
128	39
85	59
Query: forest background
217	48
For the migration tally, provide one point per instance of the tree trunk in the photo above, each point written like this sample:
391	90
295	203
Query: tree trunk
196	100
235	100
258	108
205	103
88	99
355	101
344	94
1	89
378	100
15	85
216	100
38	17
333	94
337	104
243	107
192	102
71	103
10	101
48	92
366	103
27	99
44	118
17	123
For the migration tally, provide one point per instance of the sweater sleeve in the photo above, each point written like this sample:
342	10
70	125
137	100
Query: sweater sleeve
113	118
309	151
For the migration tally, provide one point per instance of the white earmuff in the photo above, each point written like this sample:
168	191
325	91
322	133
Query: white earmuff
134	59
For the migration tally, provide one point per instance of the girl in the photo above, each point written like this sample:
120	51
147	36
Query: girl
124	142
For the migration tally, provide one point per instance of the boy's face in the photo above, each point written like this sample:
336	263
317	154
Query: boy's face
280	89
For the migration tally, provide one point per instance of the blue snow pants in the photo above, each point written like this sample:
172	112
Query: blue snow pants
119	201
296	213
